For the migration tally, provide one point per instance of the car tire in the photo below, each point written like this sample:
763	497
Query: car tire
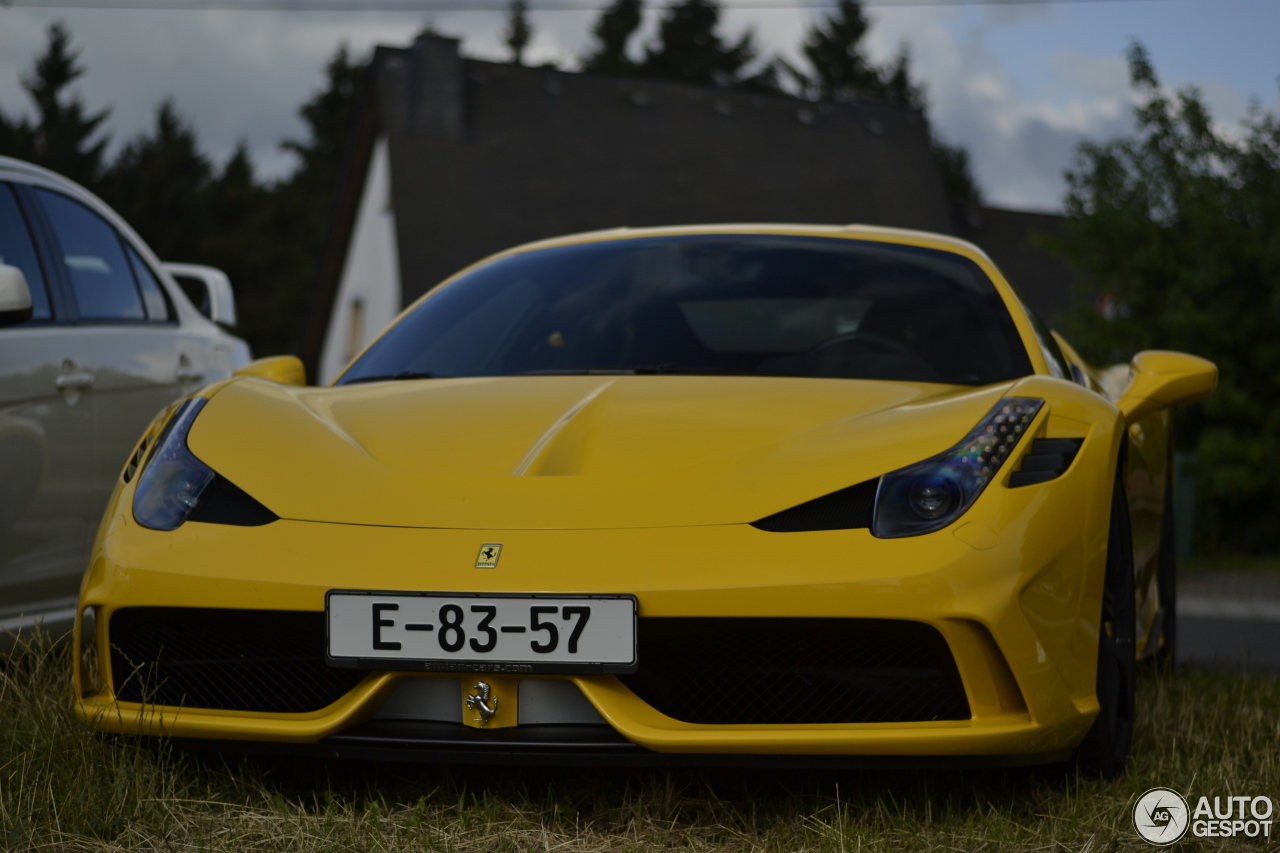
1167	580
1105	748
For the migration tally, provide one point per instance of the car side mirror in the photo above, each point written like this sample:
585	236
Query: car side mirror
1163	380
208	289
15	296
285	369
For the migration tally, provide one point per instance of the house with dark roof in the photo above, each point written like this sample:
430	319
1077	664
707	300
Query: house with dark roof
452	159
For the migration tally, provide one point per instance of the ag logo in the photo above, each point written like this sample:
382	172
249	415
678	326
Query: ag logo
1161	816
488	556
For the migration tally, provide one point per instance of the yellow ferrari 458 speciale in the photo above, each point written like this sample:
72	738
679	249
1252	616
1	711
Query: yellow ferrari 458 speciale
722	494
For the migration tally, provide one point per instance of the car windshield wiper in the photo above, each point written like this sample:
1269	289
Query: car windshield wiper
676	368
621	371
391	377
578	371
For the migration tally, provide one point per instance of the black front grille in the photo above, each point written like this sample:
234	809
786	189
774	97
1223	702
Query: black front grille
234	660
796	671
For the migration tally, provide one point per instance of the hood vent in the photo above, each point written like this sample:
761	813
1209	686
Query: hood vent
843	510
1048	459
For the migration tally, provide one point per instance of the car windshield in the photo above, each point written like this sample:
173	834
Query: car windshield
742	304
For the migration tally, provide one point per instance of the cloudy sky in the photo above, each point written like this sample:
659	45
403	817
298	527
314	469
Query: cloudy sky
1019	84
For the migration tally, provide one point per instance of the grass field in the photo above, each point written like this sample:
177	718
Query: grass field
64	789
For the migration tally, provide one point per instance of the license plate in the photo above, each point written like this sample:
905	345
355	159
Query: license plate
462	632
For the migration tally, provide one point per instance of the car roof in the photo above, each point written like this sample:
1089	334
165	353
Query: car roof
11	164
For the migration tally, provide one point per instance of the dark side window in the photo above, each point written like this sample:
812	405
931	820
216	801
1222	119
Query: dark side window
153	297
1049	346
17	250
744	304
109	279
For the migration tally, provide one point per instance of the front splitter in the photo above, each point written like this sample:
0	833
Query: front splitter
569	746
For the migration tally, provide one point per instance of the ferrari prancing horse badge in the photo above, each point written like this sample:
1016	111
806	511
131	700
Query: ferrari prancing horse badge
481	704
488	557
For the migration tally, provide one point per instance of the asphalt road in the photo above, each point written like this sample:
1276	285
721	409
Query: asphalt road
1230	621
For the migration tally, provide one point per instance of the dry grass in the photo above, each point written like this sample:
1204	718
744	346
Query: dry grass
63	788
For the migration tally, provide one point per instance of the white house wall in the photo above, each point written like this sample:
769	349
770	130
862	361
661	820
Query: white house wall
369	290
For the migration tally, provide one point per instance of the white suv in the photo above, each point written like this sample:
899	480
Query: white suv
95	338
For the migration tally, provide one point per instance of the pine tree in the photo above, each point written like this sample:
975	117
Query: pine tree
63	136
241	241
613	30
691	50
833	48
157	184
958	182
519	30
840	69
296	212
328	116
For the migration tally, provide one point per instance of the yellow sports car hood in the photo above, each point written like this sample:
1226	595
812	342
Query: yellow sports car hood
571	451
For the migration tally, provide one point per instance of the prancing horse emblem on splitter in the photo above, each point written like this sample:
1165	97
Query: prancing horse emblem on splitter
488	556
479	702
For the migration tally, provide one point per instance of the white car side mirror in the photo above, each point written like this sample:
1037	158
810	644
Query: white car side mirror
15	296
208	289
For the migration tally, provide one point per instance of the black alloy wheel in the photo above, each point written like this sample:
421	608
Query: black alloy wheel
1167	579
1105	748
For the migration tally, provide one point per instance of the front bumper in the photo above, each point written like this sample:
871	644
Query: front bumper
1017	611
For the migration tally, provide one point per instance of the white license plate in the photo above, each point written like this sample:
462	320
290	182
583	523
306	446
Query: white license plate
482	633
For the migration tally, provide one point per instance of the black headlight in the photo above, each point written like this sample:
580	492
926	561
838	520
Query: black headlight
176	487
929	495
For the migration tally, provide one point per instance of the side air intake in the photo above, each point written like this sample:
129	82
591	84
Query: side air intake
1048	459
223	502
843	510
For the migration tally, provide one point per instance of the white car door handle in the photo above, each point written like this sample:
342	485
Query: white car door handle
190	374
78	381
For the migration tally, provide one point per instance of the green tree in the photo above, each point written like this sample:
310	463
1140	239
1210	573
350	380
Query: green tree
958	182
239	237
519	30
833	49
1177	227
64	137
158	182
328	117
295	212
613	31
691	50
839	69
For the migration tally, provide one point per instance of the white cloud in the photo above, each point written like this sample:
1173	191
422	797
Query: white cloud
1017	13
234	75
1020	142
